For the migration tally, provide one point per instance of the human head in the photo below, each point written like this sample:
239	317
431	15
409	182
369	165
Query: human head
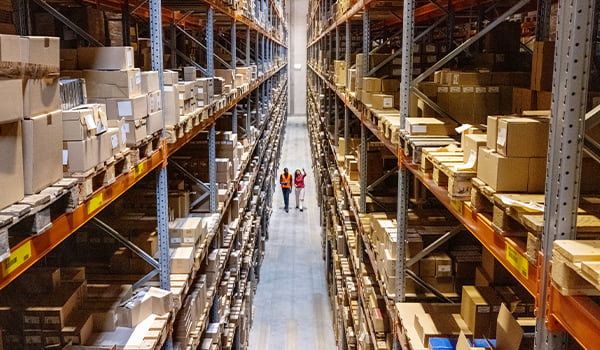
285	170
297	172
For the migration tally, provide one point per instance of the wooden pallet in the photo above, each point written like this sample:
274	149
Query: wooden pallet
412	145
445	166
33	214
576	267
146	148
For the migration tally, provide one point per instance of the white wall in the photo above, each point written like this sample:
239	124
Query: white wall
297	55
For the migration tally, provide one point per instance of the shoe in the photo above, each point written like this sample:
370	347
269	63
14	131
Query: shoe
301	209
286	210
297	207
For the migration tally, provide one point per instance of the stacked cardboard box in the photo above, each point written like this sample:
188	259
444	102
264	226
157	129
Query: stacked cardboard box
515	157
379	93
339	73
32	117
542	66
131	98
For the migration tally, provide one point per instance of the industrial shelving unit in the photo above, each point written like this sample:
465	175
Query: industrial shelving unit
260	106
371	25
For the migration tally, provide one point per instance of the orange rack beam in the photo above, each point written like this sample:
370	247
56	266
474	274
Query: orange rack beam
32	249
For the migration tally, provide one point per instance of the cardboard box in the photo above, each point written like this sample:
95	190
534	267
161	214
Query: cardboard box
154	101
42	151
228	75
78	329
170	77
340	73
10	90
42	50
113	84
40	96
429	325
205	86
154	122
381	101
10	48
115	140
371	84
189	73
189	230
135	131
171	106
81	156
493	270
182	260
84	121
475	311
149	82
492	129
503	174
129	108
68	59
186	90
106	145
470	146
523	100
106	58
523	137
542	65
429	126
122	135
471	78
11	158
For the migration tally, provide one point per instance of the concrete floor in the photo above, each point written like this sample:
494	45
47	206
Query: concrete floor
291	307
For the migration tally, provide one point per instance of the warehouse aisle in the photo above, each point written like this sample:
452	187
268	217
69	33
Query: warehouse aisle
291	305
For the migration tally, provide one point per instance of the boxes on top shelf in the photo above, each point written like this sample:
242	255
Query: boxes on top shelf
106	58
150	82
41	50
430	126
84	121
113	84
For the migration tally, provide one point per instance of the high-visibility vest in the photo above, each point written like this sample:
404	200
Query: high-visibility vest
286	182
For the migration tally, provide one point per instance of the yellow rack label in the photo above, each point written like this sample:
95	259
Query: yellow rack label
95	203
457	205
16	259
517	260
140	169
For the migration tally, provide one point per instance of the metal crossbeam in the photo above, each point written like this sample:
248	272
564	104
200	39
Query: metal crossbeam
433	246
382	178
124	241
428	286
197	42
467	43
66	21
189	175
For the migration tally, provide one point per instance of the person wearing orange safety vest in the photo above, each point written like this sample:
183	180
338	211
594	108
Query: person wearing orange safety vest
285	180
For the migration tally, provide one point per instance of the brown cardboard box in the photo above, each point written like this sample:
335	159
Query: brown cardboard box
471	78
503	174
81	156
135	131
476	311
10	48
113	84
227	74
470	146
381	101
115	140
41	50
170	77
523	137
11	158
428	325
492	129
493	270
154	122
340	73
150	82
129	108
42	151
186	90
182	260
427	266
393	85
544	100
171	106
371	84
106	58
542	65
536	180
189	230
495	302
189	73
351	82
78	329
523	100
84	121
40	96
105	143
443	265
10	90
430	126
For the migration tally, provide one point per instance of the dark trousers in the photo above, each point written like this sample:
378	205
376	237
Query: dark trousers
286	196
